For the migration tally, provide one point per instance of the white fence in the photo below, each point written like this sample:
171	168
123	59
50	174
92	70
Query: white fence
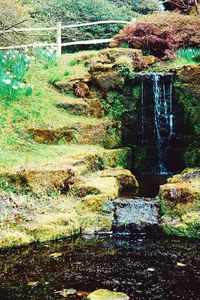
58	30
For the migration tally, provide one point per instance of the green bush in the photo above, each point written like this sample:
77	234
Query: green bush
147	6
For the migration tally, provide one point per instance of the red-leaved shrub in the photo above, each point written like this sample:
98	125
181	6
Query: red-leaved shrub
161	34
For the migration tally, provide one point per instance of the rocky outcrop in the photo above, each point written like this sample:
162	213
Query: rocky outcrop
78	133
60	176
180	204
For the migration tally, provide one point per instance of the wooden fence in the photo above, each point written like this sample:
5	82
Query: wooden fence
58	30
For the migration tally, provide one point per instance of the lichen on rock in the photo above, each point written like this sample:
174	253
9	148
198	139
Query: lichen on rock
180	204
107	295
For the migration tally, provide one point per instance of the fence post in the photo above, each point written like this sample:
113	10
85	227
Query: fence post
59	40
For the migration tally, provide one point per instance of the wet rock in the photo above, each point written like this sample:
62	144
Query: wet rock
139	215
107	295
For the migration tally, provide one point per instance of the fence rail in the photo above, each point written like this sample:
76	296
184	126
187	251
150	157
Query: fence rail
58	30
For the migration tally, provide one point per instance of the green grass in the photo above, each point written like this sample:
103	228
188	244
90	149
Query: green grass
40	110
41	154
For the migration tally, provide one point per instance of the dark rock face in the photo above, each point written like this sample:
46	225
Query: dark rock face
136	216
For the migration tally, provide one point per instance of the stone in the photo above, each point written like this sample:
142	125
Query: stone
81	89
77	107
125	178
138	215
108	80
51	136
107	295
78	133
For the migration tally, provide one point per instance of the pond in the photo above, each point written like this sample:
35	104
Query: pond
143	268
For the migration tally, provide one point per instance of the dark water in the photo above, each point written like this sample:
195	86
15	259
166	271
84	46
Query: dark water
150	184
142	268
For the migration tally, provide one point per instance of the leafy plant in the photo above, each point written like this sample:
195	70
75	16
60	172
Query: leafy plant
80	11
161	34
47	56
73	63
189	54
13	66
114	105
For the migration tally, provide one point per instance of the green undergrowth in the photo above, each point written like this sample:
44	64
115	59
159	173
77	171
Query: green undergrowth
40	110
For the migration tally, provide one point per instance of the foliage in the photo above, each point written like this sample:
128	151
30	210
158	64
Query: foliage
192	155
12	14
184	6
113	138
161	34
13	66
141	6
189	54
80	11
47	56
114	105
147	6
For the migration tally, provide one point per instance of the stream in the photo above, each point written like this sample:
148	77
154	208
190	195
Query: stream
143	268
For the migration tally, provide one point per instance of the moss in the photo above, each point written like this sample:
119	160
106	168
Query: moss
119	157
54	226
113	138
144	158
191	106
192	155
182	230
114	105
12	238
180	204
107	295
136	92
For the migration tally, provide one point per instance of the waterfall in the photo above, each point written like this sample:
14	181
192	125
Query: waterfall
163	119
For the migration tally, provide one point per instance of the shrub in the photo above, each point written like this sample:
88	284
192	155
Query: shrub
80	11
141	6
184	6
161	34
147	6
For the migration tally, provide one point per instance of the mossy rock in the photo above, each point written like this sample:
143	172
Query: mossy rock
180	204
11	238
107	295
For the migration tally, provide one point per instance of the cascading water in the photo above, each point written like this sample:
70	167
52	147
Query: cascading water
163	119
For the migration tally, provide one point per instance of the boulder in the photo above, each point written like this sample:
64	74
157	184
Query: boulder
135	216
125	178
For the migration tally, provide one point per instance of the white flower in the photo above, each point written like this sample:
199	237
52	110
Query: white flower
21	85
6	81
15	87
